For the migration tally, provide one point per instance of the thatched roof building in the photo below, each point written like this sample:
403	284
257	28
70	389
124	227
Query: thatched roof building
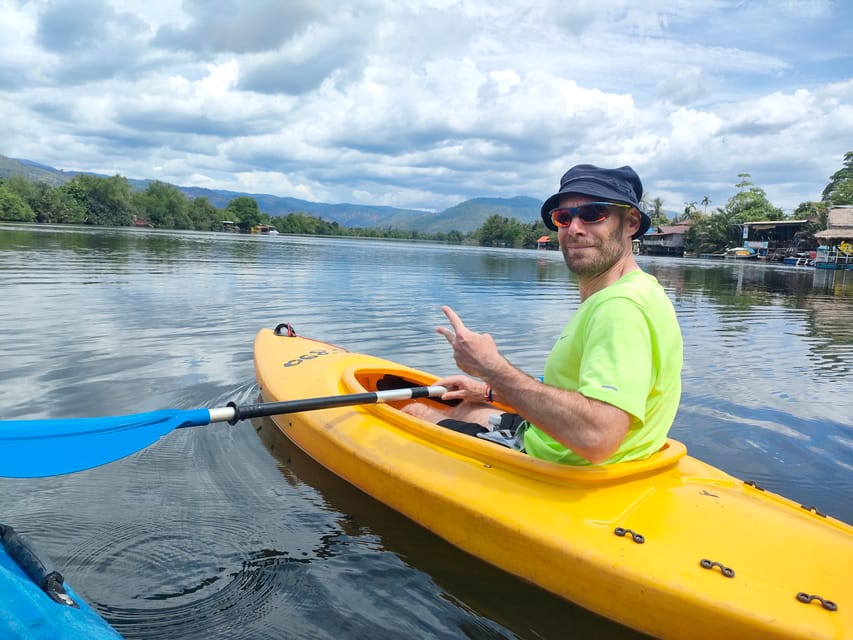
839	224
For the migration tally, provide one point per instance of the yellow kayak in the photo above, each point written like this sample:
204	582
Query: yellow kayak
669	546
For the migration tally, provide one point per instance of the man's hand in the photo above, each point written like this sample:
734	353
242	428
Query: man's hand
475	353
463	388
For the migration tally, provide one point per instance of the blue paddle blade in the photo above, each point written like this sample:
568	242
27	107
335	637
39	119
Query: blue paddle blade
38	448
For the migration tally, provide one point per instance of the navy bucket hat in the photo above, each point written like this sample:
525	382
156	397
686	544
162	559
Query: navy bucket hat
616	185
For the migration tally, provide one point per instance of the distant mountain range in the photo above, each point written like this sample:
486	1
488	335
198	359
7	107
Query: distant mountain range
465	216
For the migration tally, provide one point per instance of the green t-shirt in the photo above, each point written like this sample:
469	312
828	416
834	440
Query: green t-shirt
622	346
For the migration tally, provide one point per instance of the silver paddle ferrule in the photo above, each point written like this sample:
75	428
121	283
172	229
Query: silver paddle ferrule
222	414
390	395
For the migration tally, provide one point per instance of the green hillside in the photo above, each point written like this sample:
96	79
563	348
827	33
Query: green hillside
470	215
33	171
464	217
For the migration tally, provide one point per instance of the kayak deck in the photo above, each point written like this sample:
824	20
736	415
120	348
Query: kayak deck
670	546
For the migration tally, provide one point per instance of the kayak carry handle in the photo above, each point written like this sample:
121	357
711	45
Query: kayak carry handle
48	579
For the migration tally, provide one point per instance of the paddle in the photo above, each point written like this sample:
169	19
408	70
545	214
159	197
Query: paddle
39	448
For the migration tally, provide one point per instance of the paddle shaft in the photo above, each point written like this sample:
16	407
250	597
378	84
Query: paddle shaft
39	448
233	413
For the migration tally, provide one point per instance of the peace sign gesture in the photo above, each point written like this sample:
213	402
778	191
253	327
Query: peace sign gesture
475	353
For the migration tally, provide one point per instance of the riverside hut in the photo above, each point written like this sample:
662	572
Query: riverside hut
836	240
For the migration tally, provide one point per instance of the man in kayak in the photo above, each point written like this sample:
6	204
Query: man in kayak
612	381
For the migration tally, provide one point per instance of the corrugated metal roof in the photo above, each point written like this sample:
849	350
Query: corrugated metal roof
669	229
773	223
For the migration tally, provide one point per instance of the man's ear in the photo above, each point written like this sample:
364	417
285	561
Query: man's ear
636	219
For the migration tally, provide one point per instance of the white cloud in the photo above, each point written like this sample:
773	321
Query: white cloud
425	104
692	131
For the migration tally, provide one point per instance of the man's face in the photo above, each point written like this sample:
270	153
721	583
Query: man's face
590	249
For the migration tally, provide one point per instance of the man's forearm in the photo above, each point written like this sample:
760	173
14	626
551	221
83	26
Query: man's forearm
590	428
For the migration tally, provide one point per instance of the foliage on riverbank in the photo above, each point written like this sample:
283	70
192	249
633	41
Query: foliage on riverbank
721	229
94	200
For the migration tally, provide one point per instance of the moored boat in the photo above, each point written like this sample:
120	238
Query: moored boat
35	602
802	259
741	253
670	546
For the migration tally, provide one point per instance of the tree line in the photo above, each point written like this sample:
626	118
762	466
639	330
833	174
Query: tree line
94	200
711	233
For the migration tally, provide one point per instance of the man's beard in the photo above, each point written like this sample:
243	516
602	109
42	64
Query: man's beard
609	251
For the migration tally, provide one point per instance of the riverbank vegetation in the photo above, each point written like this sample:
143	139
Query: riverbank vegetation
711	233
94	200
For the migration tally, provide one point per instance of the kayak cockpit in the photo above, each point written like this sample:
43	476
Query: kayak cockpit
361	379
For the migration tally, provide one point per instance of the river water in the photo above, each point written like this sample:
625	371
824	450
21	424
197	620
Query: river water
229	532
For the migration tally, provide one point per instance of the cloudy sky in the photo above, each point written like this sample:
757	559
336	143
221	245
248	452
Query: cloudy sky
426	103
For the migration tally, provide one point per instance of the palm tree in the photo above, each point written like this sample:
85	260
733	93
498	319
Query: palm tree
657	215
690	211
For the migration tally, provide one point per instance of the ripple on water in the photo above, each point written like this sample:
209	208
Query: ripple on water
187	578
